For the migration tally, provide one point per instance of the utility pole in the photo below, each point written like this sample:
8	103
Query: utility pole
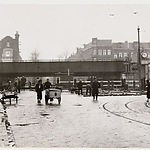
139	59
68	79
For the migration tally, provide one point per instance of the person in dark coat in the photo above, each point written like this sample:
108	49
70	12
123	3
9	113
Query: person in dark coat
23	82
47	84
29	84
9	86
16	84
80	87
148	90
88	89
95	86
39	89
19	85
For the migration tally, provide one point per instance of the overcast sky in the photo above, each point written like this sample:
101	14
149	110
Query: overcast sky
57	29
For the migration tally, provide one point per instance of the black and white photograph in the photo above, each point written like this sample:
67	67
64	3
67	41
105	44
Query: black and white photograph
74	74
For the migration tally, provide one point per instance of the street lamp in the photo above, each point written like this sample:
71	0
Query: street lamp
139	59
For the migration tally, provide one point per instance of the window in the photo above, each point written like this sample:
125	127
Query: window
125	55
8	44
94	59
119	45
104	52
99	52
109	52
115	56
132	55
94	52
7	53
120	55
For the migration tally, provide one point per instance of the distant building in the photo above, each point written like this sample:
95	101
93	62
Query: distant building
105	50
9	49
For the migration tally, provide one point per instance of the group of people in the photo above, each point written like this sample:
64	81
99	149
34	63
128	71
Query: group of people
20	84
90	88
39	87
17	85
95	85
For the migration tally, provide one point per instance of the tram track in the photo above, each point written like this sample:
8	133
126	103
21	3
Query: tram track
126	105
122	116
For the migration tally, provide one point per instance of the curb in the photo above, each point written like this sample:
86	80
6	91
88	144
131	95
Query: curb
10	136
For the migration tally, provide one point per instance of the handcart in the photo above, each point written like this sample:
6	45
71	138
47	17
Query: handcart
52	93
6	94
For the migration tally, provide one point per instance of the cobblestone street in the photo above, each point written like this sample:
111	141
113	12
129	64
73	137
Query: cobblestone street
110	122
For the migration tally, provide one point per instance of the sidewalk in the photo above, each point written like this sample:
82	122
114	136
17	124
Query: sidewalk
3	132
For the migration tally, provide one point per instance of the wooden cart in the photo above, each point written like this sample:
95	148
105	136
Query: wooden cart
52	93
9	95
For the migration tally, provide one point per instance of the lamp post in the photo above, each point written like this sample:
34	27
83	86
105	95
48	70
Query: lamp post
68	79
139	59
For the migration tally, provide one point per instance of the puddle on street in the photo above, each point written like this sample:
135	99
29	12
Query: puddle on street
77	105
25	124
44	114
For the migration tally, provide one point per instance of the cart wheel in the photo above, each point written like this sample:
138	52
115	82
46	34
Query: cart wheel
46	100
59	100
16	100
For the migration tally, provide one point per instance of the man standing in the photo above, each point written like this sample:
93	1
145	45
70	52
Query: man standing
39	89
95	86
23	82
19	85
80	87
47	84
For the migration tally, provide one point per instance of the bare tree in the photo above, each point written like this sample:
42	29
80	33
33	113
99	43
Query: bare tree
35	56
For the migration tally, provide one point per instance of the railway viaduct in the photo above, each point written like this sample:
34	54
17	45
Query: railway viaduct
77	68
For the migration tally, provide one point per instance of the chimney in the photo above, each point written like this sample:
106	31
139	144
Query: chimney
126	44
94	40
17	35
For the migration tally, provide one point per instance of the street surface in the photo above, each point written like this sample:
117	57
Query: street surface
80	122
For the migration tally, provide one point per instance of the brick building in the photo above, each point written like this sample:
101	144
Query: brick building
107	50
9	49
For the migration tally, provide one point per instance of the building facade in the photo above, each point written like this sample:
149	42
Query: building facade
106	50
9	49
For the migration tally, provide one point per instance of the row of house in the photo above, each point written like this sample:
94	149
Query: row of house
106	50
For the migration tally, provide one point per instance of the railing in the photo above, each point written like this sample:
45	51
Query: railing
60	60
111	84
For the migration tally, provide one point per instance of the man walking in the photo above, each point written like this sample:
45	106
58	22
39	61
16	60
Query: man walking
80	87
95	86
39	89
